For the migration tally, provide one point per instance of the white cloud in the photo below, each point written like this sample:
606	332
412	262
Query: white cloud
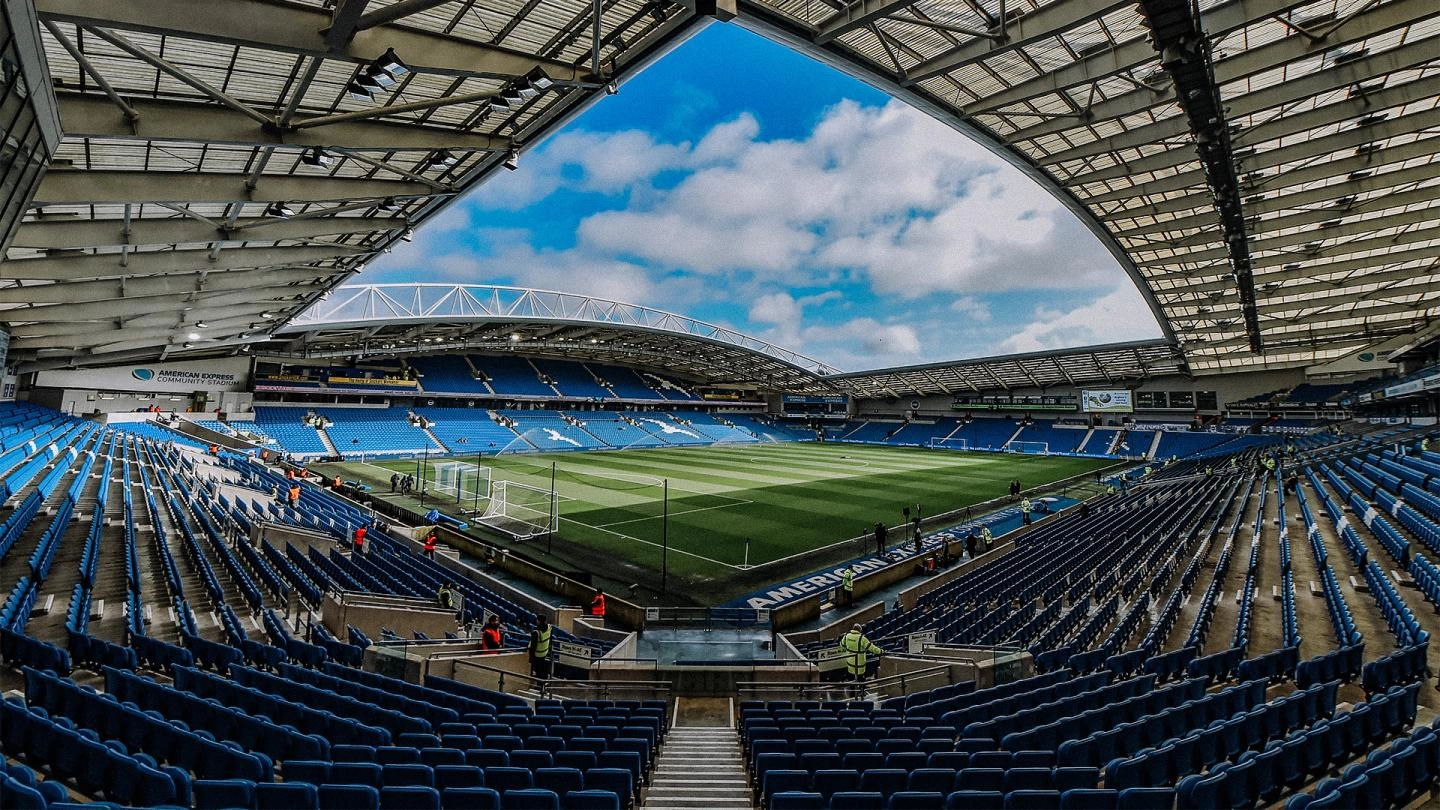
1119	315
970	309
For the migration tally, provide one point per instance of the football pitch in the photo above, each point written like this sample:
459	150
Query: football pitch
777	499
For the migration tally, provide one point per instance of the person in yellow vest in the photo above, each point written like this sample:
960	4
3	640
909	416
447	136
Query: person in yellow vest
1025	511
1148	469
540	649
987	538
1110	489
1424	444
847	587
1209	471
855	649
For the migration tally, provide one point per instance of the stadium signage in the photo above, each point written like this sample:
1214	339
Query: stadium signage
228	374
1012	406
1107	401
815	583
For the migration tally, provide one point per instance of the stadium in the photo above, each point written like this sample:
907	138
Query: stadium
275	536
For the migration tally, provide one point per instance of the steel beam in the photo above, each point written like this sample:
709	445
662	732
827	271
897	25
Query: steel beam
83	233
152	311
76	187
95	117
855	16
295	29
1049	20
108	265
124	289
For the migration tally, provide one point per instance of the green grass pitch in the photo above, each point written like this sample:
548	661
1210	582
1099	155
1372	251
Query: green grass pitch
784	498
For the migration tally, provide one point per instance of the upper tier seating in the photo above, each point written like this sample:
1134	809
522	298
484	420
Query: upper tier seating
285	427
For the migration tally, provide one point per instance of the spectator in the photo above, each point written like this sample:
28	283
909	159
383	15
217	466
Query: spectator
430	540
360	532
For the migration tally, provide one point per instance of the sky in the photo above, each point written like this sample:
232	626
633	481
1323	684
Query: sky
740	183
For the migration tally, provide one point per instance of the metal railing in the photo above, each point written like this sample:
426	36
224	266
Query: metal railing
502	680
896	685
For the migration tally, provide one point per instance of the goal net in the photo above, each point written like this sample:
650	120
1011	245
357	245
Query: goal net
1035	448
520	510
937	443
459	481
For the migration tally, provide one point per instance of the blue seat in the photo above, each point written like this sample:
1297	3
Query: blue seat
471	798
616	780
1147	798
1029	779
355	773
509	778
840	780
530	799
916	800
982	779
857	800
531	759
221	794
864	761
1089	799
345	797
590	800
409	797
1032	800
450	776
286	796
559	780
885	781
316	772
798	800
487	758
969	799
407	775
939	780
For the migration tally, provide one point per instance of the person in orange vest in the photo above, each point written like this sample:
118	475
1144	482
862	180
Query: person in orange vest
214	449
336	483
294	495
360	532
597	605
430	540
290	474
492	636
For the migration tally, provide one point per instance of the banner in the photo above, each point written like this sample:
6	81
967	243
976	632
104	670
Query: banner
225	374
1112	401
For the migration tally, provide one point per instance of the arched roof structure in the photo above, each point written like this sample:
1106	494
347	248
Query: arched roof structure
1262	168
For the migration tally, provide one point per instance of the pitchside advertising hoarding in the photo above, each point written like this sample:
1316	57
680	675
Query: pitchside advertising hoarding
225	374
1106	401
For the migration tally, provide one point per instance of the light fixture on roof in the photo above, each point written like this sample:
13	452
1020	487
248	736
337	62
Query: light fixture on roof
389	204
267	315
201	325
514	337
193	336
512	159
280	210
443	159
317	157
366	84
380	77
188	346
359	92
657	11
390	63
499	102
611	88
407	234
538	80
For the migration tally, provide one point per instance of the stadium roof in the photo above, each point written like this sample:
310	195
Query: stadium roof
1262	168
1112	364
406	319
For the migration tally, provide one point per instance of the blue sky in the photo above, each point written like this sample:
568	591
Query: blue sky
741	183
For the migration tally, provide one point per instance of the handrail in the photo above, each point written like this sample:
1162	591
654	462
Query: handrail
546	686
903	681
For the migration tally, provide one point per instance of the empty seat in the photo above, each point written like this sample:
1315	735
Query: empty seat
471	798
286	796
798	800
409	797
349	797
590	800
530	799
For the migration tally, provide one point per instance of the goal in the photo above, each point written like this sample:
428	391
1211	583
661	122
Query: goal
1033	448
520	510
459	481
937	443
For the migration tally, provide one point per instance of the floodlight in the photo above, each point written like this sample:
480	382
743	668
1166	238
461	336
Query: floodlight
380	76
193	336
407	234
512	160
280	210
317	157
188	346
201	325
443	159
267	315
391	64
389	204
358	92
499	102
368	83
539	80
611	88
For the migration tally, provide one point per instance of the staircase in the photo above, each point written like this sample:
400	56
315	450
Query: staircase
699	767
325	440
436	439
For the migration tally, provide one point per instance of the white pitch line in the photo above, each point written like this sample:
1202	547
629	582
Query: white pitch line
737	502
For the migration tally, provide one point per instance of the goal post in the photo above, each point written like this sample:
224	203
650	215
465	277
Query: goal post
520	510
458	481
1032	448
957	443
